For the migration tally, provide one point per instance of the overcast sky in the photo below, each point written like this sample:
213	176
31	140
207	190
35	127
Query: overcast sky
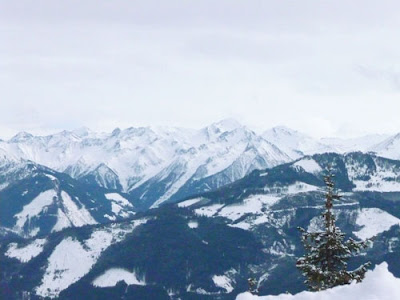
327	68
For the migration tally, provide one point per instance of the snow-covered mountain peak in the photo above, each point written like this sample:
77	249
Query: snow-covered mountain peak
224	125
82	131
363	143
279	130
390	147
21	137
294	143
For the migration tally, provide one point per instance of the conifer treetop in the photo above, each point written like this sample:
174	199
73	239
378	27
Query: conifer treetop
325	262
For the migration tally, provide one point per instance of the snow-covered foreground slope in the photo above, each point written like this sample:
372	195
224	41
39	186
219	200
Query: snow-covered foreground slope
378	284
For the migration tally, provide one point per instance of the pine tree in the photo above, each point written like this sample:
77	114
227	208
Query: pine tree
325	262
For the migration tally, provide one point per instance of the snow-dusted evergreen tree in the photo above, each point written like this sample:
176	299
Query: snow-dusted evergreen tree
325	263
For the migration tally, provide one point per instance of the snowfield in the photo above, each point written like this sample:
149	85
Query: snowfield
190	202
71	215
378	284
73	259
34	208
224	282
374	221
115	197
112	276
308	165
25	254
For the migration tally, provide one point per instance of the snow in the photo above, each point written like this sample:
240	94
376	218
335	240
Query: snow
51	177
224	282
34	208
316	224
294	143
378	284
189	202
250	205
309	165
26	253
377	184
69	262
112	276
72	259
193	224
208	211
374	221
120	206
363	143
385	178
135	155
62	221
77	216
300	187
71	214
118	198
389	147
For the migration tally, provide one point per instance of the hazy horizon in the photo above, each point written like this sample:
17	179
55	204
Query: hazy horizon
257	130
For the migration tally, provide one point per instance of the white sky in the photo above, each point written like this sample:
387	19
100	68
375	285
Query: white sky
327	68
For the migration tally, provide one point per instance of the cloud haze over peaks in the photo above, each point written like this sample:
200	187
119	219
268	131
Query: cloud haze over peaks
325	68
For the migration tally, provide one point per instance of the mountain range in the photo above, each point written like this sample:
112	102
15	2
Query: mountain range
76	223
202	247
156	165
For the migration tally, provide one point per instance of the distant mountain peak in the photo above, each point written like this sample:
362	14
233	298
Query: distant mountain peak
285	130
21	137
82	131
116	131
227	124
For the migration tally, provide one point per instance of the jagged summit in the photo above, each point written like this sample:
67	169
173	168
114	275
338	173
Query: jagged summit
227	124
82	131
21	137
281	129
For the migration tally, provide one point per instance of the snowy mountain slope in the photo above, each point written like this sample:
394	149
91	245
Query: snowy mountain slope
390	147
364	143
208	246
355	172
13	169
264	195
141	160
297	144
272	203
229	156
143	254
48	201
294	143
71	259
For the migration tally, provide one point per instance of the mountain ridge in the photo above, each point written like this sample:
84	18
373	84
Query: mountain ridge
175	161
